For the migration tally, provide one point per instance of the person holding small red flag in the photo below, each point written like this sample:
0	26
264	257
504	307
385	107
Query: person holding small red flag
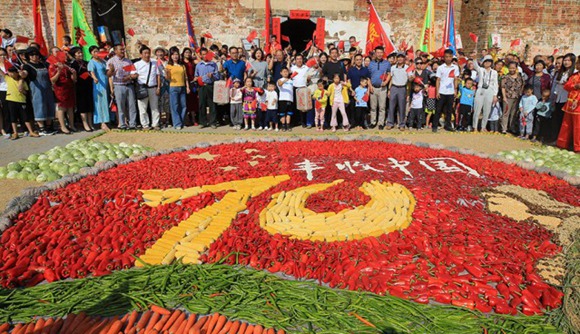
570	130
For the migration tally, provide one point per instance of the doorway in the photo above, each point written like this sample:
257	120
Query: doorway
299	33
108	20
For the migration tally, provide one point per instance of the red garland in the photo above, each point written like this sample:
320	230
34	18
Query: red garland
451	253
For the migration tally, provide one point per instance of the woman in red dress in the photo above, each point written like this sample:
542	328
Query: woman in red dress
63	80
192	102
570	130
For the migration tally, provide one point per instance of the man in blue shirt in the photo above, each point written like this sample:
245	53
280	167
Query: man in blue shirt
208	72
380	74
355	73
235	68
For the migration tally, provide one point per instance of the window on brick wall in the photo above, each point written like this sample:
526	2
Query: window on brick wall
108	20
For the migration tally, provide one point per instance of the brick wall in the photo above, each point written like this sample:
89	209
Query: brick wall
162	22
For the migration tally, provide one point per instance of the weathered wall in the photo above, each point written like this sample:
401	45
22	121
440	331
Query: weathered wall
162	22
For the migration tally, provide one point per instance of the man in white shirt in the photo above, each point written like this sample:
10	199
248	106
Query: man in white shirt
299	75
149	79
398	93
447	80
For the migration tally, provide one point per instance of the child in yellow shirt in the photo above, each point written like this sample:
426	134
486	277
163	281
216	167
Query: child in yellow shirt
16	92
321	99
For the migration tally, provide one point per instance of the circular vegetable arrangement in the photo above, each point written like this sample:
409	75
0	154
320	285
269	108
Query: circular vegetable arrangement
61	161
393	219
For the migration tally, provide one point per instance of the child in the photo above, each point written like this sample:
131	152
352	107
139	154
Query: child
431	102
527	105
16	103
543	113
338	92
416	106
250	101
466	105
272	107
286	88
236	115
494	117
321	99
361	105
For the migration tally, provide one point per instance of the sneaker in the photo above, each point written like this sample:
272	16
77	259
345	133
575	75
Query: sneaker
34	135
260	128
14	136
277	130
246	128
7	136
214	126
382	127
309	126
254	128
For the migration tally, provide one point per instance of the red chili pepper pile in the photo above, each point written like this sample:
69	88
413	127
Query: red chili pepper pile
454	251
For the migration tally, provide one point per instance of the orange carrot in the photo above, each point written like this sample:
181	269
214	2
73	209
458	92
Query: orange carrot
363	320
4	327
131	321
226	327
271	331
115	327
195	331
242	328
172	329
29	328
152	321
281	331
161	322
160	310
199	324
39	325
132	331
249	329
67	322
96	328
124	318
234	328
86	325
170	320
57	326
221	321
17	328
258	329
211	323
190	323
144	320
47	325
79	320
181	329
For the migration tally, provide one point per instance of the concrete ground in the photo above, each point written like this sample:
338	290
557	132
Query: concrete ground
20	149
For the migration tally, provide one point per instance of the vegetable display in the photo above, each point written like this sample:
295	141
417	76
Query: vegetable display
384	227
548	156
61	161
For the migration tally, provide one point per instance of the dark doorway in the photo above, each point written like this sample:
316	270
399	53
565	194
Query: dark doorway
108	20
298	31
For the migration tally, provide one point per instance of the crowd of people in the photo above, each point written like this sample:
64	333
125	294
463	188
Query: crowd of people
279	88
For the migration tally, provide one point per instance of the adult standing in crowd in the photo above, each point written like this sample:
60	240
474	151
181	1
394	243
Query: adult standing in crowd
122	72
421	71
355	73
398	93
36	74
275	66
97	67
258	69
559	96
234	68
178	88
570	132
83	88
191	99
206	73
63	80
299	71
538	78
486	94
512	87
380	73
447	80
5	122
150	87
333	66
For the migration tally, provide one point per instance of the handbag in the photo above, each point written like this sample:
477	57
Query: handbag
142	90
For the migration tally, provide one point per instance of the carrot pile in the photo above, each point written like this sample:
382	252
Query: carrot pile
157	320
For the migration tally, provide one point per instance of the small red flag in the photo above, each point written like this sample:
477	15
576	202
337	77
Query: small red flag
452	74
253	34
263	106
555	51
84	76
22	39
340	45
51	60
293	75
200	81
103	54
411	53
473	37
259	90
208	35
248	66
355	44
229	82
311	62
113	106
209	56
418	80
439	53
317	104
286	38
462	61
516	42
366	97
254	105
7	65
411	68
131	32
82	42
384	76
129	68
308	46
61	56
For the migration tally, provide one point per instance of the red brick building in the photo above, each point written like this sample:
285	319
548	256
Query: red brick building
544	24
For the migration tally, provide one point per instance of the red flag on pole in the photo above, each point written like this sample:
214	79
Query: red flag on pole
59	20
286	38
311	62
131	32
208	35
253	34
516	42
473	37
410	69
340	45
38	34
248	66
82	42
376	35
555	51
268	27
84	76
22	39
129	68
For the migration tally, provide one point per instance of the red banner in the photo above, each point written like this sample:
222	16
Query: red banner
376	35
320	32
38	35
276	29
299	14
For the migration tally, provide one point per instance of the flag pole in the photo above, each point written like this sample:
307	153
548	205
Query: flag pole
55	24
